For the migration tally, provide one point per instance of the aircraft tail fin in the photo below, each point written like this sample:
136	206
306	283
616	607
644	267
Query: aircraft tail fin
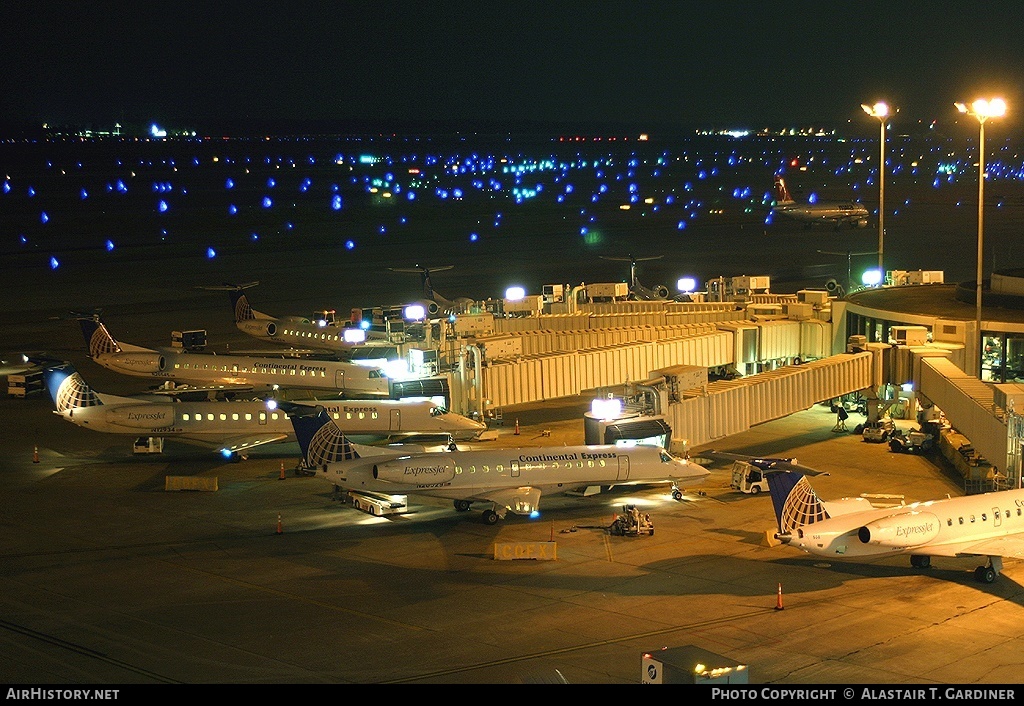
240	305
320	439
98	340
782	191
67	388
795	502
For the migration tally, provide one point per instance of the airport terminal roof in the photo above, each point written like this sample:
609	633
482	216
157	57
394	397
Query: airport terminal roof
939	300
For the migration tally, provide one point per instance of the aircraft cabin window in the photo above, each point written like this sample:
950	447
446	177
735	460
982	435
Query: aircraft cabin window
996	514
273	415
223	417
486	469
458	470
961	520
263	417
472	469
1018	512
972	518
949	522
984	516
185	417
337	416
248	416
209	417
234	416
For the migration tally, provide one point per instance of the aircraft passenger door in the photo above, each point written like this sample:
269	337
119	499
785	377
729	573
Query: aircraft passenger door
997	518
396	420
262	416
339	380
623	468
515	468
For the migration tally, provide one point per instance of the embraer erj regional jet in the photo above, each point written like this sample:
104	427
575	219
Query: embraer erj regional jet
231	371
850	213
237	426
324	332
989	525
510	479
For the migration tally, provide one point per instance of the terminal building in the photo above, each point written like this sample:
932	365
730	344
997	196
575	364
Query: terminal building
696	371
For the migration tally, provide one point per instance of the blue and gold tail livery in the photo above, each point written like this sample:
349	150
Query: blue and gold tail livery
320	439
240	303
98	340
795	502
67	388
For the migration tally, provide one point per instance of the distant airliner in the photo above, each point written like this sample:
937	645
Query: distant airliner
433	303
235	427
835	213
319	332
264	372
508	479
638	291
989	525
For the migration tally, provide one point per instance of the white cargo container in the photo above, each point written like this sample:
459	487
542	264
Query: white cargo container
607	291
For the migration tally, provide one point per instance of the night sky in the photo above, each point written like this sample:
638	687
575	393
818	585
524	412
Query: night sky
646	65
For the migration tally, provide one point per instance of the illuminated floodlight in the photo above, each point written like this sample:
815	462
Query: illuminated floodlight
364	324
355	335
907	387
606	408
871	278
686	284
414	312
157	131
271	404
514	294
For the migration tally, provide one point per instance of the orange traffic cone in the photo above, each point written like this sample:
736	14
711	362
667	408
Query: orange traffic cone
35	452
280	527
517	427
778	602
281	477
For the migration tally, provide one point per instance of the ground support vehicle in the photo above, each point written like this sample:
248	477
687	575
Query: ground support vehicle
631	523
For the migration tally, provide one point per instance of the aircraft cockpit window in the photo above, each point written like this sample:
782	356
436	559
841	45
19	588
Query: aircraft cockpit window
377	373
666	457
438	411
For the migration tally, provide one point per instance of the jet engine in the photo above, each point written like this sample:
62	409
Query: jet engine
136	363
260	328
142	416
419	472
901	531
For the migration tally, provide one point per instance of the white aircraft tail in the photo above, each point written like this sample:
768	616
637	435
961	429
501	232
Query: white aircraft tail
782	192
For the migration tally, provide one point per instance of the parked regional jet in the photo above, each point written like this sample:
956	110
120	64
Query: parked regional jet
989	525
636	290
235	427
434	303
836	213
507	479
231	371
320	332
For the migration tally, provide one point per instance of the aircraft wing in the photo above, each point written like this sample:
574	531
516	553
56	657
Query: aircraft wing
765	463
182	389
522	500
1010	546
239	443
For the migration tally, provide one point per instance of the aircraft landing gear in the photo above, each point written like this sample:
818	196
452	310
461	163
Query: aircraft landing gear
677	494
462	505
920	562
492	515
988	573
